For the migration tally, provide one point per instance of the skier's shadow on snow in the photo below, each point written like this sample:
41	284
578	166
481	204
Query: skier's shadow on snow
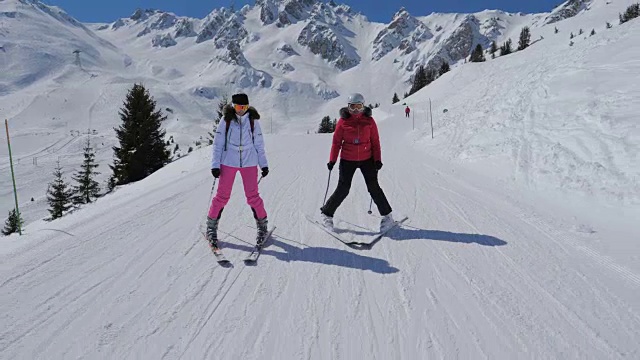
320	255
406	232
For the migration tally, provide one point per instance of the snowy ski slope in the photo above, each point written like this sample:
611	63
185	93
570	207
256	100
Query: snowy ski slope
478	271
552	117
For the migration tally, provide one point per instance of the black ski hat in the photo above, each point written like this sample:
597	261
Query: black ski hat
240	99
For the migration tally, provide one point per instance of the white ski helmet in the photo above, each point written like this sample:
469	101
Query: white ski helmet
356	98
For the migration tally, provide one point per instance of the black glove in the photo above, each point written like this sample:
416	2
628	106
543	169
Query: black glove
215	172
330	165
378	165
265	171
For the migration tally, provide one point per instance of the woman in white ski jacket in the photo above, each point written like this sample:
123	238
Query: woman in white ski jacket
238	146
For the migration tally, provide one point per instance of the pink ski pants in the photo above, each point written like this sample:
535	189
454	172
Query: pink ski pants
225	184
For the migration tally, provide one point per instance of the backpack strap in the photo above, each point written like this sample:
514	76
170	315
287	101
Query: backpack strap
253	116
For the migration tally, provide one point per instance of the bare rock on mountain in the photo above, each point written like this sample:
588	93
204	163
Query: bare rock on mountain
459	45
223	27
492	28
293	11
287	50
231	31
404	33
268	11
282	66
323	41
142	14
233	55
212	23
164	21
568	10
163	41
185	28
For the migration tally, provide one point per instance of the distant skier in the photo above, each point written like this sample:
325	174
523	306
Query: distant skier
407	111
357	141
238	146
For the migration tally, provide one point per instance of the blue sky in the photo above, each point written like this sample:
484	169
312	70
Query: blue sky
376	10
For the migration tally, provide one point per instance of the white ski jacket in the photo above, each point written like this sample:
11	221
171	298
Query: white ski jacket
242	148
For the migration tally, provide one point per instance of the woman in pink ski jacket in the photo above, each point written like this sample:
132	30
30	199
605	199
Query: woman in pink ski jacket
238	146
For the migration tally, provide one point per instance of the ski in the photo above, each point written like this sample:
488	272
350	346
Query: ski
379	236
255	254
332	233
222	260
358	244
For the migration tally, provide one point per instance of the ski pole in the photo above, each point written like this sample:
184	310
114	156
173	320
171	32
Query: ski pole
211	195
327	192
212	188
261	177
370	204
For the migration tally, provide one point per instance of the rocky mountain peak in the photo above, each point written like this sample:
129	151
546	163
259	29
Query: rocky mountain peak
404	33
567	10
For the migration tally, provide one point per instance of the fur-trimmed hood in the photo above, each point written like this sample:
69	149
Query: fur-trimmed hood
345	114
229	113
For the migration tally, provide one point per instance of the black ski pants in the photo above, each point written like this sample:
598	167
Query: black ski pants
370	173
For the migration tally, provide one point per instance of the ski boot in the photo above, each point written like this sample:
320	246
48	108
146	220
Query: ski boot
261	237
386	223
212	232
327	221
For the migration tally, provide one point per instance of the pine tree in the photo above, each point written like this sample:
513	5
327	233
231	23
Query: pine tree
419	80
444	68
632	12
477	55
325	125
224	101
506	48
581	32
431	76
111	184
59	195
571	36
609	26
87	188
493	49
593	32
142	149
556	30
525	38
395	98
13	224
406	94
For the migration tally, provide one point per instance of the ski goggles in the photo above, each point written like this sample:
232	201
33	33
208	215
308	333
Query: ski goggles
356	106
240	108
